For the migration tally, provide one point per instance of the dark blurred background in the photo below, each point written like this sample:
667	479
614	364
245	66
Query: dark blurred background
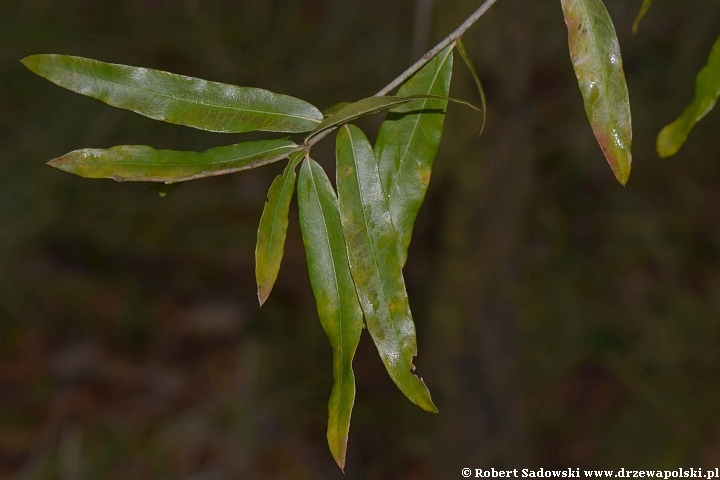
563	321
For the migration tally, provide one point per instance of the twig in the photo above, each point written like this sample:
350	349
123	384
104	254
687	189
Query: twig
384	91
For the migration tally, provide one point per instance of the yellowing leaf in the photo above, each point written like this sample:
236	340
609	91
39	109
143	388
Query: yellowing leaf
140	163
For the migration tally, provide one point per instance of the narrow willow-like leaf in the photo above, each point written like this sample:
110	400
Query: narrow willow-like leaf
372	249
273	229
595	55
407	143
476	77
370	105
707	90
217	107
140	163
643	10
335	296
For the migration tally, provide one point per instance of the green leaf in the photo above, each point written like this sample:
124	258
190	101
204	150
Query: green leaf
595	55
370	105
476	77
217	107
372	249
140	163
643	10
408	141
273	229
707	90
335	296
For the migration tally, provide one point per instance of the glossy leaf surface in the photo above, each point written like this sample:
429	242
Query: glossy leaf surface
273	229
595	54
217	107
707	90
407	143
646	4
337	302
140	163
371	105
372	249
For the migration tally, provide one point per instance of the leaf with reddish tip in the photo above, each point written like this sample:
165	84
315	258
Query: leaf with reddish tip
707	90
273	229
595	54
332	284
372	248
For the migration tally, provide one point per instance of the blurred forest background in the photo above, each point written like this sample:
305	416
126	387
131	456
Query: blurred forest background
563	321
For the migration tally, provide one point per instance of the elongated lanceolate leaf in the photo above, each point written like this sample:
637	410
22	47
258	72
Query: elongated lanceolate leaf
408	141
370	105
273	228
335	296
140	163
217	107
595	55
476	78
646	4
707	90
372	249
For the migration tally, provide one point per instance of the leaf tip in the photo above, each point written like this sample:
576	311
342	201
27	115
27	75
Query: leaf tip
666	145
263	294
338	449
61	163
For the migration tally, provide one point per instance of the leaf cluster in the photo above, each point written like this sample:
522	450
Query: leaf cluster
356	235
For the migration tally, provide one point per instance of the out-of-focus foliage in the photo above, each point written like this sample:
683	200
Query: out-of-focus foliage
132	346
707	90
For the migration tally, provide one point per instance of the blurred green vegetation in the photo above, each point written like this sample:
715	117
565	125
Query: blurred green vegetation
563	321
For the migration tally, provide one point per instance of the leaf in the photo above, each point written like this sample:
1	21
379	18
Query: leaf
476	77
407	143
217	107
595	55
335	296
643	10
140	163
370	105
273	229
372	249
707	90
